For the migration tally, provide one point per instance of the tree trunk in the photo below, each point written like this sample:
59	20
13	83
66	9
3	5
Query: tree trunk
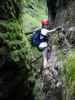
51	4
61	12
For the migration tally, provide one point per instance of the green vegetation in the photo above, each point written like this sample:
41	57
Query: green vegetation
70	72
13	26
31	14
18	17
14	29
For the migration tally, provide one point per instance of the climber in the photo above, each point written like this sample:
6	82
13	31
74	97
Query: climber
44	44
40	39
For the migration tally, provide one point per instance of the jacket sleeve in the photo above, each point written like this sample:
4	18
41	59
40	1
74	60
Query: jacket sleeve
44	31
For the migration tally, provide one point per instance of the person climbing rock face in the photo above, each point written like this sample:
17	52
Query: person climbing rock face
44	44
39	39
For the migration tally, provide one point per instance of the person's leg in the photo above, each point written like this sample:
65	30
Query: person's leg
44	47
45	57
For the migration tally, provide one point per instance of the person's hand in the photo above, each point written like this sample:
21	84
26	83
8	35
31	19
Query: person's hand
59	28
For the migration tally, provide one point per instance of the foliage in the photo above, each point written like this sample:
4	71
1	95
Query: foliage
70	72
18	17
9	9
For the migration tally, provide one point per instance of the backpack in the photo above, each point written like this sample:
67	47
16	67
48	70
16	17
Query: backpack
36	37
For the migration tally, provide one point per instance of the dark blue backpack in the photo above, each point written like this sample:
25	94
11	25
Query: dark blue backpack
36	37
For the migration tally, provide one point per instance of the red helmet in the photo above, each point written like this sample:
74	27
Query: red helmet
44	22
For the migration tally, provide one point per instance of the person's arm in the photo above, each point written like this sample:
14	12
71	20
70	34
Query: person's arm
55	29
46	31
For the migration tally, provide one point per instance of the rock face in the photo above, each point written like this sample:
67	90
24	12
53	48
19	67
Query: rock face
13	83
62	14
53	86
